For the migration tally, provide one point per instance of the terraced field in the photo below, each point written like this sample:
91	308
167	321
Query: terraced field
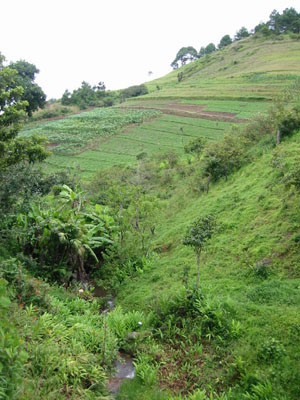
87	142
225	88
250	69
214	110
78	132
166	132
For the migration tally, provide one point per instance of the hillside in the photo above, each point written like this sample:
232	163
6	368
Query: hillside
99	265
250	69
216	92
251	267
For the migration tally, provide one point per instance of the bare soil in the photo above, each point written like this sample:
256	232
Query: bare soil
191	111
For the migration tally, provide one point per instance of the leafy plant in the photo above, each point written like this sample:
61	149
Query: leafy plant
271	350
12	353
146	371
66	233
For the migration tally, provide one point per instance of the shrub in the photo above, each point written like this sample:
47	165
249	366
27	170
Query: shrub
223	158
271	350
134	91
290	122
26	289
190	310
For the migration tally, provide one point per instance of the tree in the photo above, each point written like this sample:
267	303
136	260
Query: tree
66	98
263	29
289	20
184	54
197	235
99	89
195	146
15	149
222	158
210	48
180	76
225	41
32	93
241	34
85	96
201	52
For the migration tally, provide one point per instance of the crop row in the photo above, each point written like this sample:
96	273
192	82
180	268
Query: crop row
241	108
160	135
71	135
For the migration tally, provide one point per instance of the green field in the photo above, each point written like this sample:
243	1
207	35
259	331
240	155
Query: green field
159	135
103	138
242	109
77	132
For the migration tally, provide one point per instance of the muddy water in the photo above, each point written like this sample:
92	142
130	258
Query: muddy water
124	370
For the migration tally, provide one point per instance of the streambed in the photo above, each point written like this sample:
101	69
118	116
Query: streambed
124	363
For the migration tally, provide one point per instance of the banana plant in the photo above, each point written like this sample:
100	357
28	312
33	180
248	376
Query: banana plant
66	230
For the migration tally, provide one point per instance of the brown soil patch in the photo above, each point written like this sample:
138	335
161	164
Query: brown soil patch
191	111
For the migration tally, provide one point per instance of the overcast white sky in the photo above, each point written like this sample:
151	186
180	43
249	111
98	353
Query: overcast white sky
117	41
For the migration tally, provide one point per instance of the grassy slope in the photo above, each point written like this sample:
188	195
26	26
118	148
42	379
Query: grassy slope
250	68
258	219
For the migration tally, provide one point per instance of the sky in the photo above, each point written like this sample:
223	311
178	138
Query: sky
117	41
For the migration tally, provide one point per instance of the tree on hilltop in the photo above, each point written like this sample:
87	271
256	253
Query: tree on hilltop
225	41
210	48
204	51
241	34
184	54
289	20
201	52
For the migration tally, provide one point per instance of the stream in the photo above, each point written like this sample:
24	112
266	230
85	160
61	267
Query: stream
124	363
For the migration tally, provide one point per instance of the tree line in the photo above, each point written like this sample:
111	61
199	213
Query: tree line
288	21
97	96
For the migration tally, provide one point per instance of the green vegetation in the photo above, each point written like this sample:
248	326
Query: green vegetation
76	132
100	146
208	166
32	93
14	149
230	73
288	21
251	265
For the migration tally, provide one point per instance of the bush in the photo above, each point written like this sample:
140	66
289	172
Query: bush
271	350
134	91
26	289
290	122
223	158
